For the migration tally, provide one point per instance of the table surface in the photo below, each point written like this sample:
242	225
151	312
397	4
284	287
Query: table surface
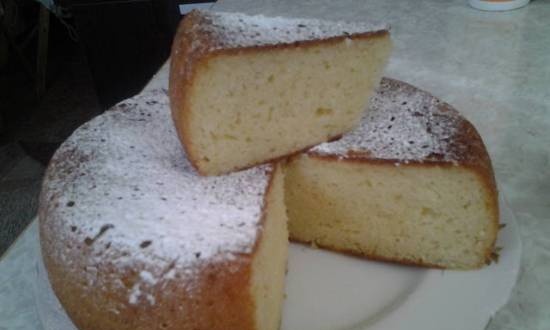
493	67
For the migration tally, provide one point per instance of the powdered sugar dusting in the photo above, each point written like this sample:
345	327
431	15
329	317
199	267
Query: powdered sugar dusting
135	293
120	190
401	123
239	30
147	277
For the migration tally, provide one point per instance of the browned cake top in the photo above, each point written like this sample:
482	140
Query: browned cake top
237	30
405	124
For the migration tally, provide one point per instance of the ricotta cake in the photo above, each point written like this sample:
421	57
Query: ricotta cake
245	90
413	184
133	238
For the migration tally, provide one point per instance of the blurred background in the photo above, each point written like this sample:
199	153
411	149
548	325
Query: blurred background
63	62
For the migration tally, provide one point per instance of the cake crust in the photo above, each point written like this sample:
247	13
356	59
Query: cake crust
196	43
119	226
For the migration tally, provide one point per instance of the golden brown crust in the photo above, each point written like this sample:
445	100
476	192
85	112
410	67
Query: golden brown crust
193	48
183	65
220	300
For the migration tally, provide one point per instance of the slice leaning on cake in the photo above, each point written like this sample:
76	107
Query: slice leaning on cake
245	90
413	184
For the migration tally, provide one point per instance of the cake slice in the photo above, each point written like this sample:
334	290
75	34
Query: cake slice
248	89
134	239
413	184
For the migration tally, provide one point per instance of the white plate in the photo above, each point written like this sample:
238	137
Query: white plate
329	291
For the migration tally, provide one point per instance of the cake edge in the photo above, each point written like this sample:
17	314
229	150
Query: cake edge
233	295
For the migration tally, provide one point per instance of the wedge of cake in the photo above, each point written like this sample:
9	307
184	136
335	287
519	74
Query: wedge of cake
248	89
413	184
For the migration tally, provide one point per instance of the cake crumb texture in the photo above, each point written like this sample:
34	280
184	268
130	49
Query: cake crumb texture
245	90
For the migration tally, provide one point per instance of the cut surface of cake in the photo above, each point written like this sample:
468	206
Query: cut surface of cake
248	89
133	238
413	184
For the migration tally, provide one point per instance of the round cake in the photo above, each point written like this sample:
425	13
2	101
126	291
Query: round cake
133	238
